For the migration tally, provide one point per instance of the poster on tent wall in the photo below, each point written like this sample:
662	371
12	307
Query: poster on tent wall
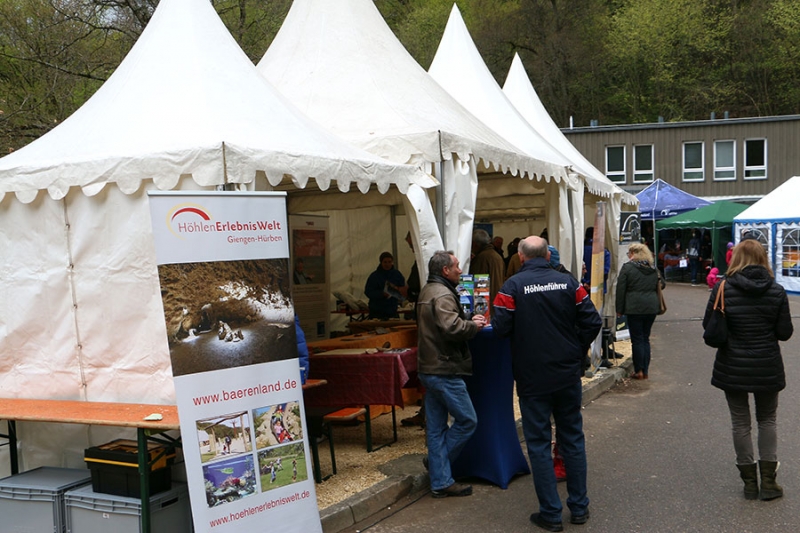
787	256
630	228
310	264
223	265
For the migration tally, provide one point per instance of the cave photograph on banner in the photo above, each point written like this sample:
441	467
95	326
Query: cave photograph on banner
224	314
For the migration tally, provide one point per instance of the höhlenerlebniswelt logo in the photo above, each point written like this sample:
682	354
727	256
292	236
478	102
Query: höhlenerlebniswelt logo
189	218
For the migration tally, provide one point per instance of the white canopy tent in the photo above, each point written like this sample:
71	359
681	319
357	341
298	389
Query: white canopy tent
341	64
459	68
520	92
775	222
82	315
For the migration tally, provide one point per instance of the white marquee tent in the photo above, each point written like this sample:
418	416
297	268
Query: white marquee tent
459	68
82	315
775	222
341	64
521	93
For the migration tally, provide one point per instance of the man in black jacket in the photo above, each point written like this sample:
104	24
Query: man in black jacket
551	321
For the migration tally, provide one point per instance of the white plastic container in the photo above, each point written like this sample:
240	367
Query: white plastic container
33	501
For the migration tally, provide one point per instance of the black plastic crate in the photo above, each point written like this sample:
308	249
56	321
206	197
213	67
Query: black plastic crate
115	468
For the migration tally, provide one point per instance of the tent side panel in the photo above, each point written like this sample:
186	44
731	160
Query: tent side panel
120	315
37	327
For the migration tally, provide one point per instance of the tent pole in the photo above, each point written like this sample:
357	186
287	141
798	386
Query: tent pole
440	209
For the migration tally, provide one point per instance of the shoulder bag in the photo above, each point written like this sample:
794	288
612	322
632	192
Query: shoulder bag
662	304
716	333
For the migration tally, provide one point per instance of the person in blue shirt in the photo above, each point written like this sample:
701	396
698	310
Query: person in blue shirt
588	239
386	289
302	350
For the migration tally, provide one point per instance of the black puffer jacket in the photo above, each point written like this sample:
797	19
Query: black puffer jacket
757	312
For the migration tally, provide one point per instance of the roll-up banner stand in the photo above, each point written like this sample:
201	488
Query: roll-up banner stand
223	265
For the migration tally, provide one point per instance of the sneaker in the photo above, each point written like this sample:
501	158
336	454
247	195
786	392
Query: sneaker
456	489
579	519
545	524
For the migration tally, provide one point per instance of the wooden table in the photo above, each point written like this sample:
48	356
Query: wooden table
97	414
405	337
394	324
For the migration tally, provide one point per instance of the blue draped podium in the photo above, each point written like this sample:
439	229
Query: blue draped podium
494	452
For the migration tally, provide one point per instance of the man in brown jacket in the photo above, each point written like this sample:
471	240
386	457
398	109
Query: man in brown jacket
487	261
443	359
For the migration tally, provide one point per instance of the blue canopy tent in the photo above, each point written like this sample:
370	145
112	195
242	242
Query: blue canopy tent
662	200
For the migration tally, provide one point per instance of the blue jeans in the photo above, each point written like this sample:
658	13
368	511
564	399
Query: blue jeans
565	407
639	327
446	395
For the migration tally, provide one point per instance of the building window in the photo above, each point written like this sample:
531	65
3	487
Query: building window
693	161
755	159
724	160
615	163
643	163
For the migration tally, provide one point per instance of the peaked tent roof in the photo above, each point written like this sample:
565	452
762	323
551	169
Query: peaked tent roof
708	217
522	95
662	200
459	68
341	64
779	205
187	100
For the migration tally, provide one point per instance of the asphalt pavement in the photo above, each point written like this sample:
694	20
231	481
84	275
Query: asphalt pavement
659	451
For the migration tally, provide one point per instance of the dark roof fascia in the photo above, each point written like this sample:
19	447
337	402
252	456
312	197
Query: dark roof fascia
687	124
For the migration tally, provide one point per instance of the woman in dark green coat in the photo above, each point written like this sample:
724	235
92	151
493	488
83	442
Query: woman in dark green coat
637	298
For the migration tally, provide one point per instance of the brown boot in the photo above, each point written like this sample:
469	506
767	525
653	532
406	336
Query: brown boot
769	487
749	474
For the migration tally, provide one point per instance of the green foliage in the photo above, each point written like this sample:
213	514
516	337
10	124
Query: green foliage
619	61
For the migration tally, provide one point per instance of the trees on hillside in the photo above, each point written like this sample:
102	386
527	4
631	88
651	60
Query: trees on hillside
619	61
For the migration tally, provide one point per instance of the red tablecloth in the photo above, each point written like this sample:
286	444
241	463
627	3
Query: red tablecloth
360	378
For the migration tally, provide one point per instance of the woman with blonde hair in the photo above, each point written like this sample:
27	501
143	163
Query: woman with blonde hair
757	315
637	298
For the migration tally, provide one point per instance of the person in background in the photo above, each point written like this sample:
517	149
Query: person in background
443	360
497	242
385	287
555	262
487	261
729	253
637	298
706	248
513	263
302	350
758	316
712	278
588	240
552	322
693	251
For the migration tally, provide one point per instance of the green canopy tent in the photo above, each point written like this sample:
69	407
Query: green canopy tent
717	217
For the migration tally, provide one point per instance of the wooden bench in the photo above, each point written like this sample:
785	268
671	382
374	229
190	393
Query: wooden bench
138	416
349	414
